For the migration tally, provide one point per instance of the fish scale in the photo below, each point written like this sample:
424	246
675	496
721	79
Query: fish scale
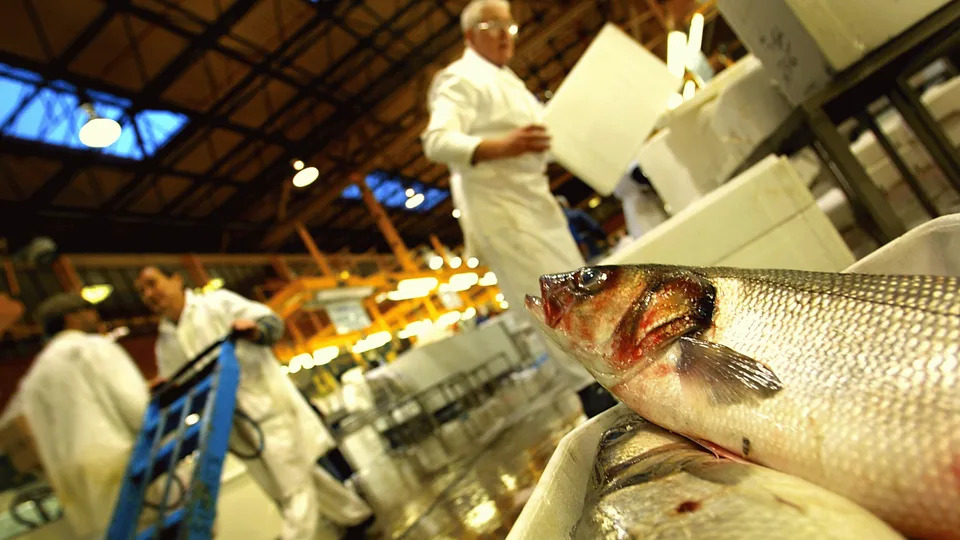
907	483
652	484
869	405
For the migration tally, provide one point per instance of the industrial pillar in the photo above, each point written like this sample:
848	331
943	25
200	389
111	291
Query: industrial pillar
196	270
441	251
318	257
390	233
67	275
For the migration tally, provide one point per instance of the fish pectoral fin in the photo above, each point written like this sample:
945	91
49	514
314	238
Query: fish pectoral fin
723	376
718	450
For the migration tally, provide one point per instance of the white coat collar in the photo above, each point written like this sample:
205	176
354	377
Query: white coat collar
478	62
189	299
68	334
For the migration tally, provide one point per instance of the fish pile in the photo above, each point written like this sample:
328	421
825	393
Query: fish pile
652	484
848	381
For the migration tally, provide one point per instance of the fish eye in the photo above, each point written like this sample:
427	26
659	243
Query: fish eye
590	280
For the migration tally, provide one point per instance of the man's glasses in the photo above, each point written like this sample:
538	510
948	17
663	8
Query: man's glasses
511	27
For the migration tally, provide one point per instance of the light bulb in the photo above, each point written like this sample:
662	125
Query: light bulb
306	177
100	132
414	201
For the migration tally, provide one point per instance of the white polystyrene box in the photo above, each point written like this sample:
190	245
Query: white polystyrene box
748	111
847	30
667	173
805	42
930	249
765	217
556	504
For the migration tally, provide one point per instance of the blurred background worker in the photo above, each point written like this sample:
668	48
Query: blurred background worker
84	399
289	434
589	235
642	208
484	127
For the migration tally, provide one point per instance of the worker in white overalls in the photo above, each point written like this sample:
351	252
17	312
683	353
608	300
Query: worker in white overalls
84	400
485	126
292	435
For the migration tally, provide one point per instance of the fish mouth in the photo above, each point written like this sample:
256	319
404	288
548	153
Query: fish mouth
556	297
534	306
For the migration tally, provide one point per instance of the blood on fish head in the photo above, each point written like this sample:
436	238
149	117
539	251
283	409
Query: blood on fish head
612	318
580	311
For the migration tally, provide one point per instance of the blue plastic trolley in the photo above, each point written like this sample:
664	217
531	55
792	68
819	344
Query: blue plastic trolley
193	411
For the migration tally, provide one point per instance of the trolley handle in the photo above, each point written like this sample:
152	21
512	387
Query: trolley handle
168	392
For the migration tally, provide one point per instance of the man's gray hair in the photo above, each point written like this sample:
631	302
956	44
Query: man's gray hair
471	15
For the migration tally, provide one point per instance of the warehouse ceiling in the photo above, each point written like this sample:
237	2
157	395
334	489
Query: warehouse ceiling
217	99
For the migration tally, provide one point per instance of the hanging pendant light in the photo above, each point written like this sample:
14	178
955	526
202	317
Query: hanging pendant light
98	132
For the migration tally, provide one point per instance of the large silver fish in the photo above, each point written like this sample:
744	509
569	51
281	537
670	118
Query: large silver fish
849	381
652	484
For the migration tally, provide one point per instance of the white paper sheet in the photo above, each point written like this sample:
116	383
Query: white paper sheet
606	107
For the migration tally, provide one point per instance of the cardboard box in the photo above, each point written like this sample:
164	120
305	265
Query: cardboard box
805	42
16	441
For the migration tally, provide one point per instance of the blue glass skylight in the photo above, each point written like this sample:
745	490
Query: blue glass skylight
49	112
390	190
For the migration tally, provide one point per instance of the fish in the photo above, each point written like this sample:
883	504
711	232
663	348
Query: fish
652	484
849	381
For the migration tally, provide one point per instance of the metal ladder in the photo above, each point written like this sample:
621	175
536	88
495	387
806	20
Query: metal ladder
192	412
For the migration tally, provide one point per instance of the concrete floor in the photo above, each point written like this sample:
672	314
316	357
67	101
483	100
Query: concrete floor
480	495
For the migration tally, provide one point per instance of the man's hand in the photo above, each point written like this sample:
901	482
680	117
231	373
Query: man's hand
246	329
520	141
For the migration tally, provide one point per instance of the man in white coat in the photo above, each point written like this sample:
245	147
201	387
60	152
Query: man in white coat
485	126
84	400
293	437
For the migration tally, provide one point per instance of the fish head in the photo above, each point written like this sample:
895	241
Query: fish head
614	319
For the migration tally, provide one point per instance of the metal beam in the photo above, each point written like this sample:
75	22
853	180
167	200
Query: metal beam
320	138
302	90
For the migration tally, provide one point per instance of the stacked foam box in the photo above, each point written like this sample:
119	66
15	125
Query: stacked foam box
806	42
764	218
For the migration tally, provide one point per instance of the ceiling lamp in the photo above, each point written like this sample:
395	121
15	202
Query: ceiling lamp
456	213
473	262
297	165
462	282
436	262
98	132
305	177
410	192
695	39
676	53
451	317
455	262
96	293
324	356
489	279
414	201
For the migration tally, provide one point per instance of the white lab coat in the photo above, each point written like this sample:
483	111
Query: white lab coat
294	437
84	399
509	217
